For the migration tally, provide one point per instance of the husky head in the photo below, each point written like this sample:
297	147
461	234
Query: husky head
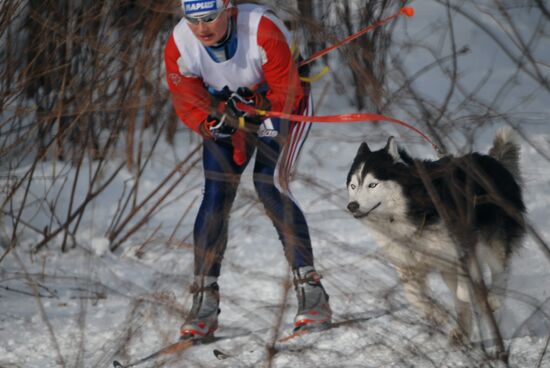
373	181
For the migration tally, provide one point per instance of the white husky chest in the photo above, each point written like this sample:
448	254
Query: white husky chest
406	246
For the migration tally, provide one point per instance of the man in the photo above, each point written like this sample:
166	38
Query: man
219	57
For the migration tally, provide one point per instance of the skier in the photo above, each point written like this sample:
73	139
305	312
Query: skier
220	54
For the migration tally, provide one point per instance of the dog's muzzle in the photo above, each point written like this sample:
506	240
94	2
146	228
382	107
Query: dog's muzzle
353	207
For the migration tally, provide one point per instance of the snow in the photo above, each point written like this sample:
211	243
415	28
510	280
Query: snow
89	306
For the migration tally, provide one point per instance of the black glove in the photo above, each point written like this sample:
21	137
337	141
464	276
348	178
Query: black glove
245	96
216	127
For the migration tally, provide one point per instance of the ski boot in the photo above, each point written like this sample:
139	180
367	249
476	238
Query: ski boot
314	311
202	320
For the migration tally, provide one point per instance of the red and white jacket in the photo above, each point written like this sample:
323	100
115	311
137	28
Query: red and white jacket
263	56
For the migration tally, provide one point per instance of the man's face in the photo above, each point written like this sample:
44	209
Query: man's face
210	33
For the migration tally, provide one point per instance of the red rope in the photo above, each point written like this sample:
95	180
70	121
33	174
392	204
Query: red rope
407	10
344	118
358	117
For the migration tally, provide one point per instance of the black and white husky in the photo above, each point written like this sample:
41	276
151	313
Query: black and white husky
453	216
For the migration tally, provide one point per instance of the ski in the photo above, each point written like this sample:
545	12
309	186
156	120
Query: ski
221	355
344	322
302	332
171	349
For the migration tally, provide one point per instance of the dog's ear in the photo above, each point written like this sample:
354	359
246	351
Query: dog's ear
392	150
363	149
395	152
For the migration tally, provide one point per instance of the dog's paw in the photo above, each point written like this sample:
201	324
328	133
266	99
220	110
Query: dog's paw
495	302
457	337
437	317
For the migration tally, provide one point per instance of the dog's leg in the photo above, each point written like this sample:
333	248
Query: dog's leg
481	298
463	312
498	260
415	288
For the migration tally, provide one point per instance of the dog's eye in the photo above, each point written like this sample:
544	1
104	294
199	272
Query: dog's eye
372	185
353	186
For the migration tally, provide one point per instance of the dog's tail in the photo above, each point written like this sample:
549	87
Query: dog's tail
506	150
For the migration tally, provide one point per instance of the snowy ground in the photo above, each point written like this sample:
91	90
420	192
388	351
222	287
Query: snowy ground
95	306
90	306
